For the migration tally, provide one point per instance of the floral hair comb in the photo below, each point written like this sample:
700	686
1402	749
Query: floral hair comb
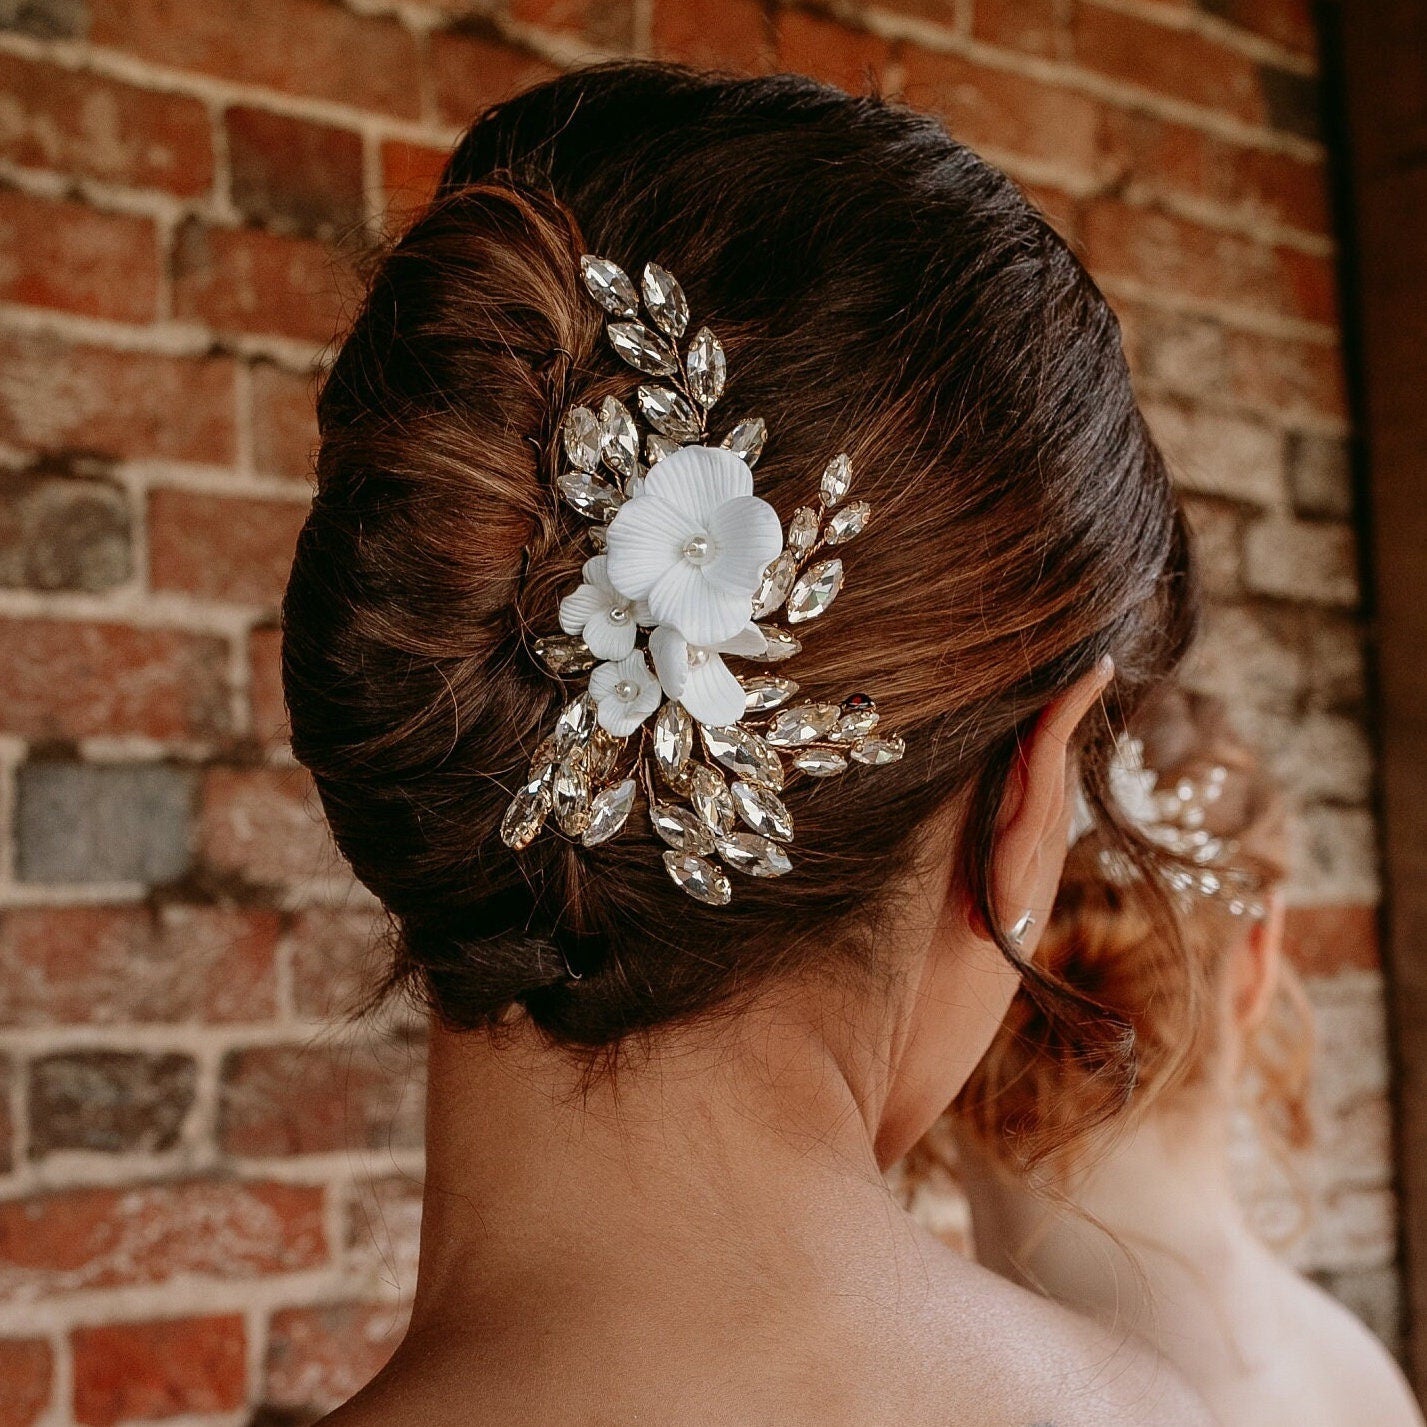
689	569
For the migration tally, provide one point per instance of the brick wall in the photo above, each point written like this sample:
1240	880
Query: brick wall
208	1197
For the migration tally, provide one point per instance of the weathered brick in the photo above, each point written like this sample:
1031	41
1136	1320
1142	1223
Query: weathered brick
1334	856
1320	475
101	1238
1327	940
117	965
1286	22
335	955
854	60
284	419
26	1373
1335	664
80	123
265	703
221	547
724	34
294	175
1300	560
1214	453
606	24
1248	661
410	174
1287	378
7	1128
55	395
45	19
78	259
263	825
383	1232
1219	544
66	679
472	69
63	534
1179	353
1035	26
110	1101
296	46
318	1357
245	280
1324	757
131	1371
81	822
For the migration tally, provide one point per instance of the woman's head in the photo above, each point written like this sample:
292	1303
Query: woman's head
881	291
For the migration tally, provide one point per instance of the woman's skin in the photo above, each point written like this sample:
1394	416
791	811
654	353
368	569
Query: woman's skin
706	1238
1265	1347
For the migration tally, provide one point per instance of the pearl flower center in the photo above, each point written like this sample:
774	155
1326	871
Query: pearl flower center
626	691
698	550
698	658
619	614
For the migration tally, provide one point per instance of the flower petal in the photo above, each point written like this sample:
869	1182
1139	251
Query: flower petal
617	716
607	639
699	479
596	573
747	535
712	695
749	640
646	537
703	615
577	609
671	658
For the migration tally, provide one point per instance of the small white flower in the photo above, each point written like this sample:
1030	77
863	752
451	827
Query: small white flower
1132	787
600	614
694	543
625	694
696	677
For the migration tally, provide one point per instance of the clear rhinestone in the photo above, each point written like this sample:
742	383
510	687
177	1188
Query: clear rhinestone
815	590
582	438
820	762
570	797
589	495
525	816
766	691
563	653
746	439
608	812
575	725
837	479
542	766
744	754
711	798
803	530
777	581
667	412
849	521
644	350
707	367
781	645
681	829
673	742
804	723
855	724
602	755
609	285
699	878
763	812
619	441
757	856
665	300
879	751
656	447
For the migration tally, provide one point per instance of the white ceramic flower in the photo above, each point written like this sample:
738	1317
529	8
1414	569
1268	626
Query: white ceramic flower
625	693
695	676
601	615
694	543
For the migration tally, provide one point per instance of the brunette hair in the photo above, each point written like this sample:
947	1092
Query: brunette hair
880	290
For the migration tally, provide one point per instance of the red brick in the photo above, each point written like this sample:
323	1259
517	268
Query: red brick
57	396
265	703
117	965
410	173
1179	63
81	124
1286	22
222	548
1287	377
608	24
1060	207
318	1099
1003	111
722	34
296	46
470	72
319	1357
1322	941
382	1230
127	1371
825	49
264	825
295	175
336	958
103	1238
26	1371
1166	253
63	679
1031	25
7	1140
77	259
246	280
284	420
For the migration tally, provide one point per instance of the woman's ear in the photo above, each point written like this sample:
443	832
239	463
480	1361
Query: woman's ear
1255	966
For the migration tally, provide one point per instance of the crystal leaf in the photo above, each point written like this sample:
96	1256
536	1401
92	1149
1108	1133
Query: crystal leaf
619	440
525	816
673	742
582	438
804	723
602	755
707	367
563	653
681	829
757	856
711	799
608	812
767	691
820	762
592	497
763	812
781	645
542	766
570	798
837	480
879	751
656	447
609	285
803	530
744	754
777	581
665	300
855	724
746	439
644	350
574	726
814	591
849	521
668	413
699	878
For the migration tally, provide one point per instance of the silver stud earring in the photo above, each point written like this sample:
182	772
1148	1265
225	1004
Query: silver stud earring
1021	930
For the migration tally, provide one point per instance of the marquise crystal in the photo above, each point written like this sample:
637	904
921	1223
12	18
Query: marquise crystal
816	588
656	447
744	754
820	762
777	581
780	645
711	799
668	413
673	742
609	811
589	495
619	439
564	654
746	439
762	810
681	829
851	520
803	530
665	300
582	438
570	798
609	285
707	368
757	856
764	692
803	723
699	878
879	751
837	480
525	816
644	350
